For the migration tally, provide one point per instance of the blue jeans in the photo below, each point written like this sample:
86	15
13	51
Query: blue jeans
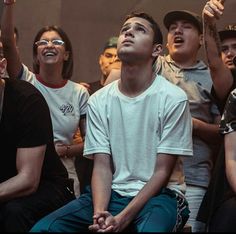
158	215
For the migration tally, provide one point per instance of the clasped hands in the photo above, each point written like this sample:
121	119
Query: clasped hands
105	222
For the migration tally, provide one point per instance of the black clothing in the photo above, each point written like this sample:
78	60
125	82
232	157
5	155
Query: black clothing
26	123
94	86
214	210
221	104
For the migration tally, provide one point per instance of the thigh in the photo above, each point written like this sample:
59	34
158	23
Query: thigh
224	218
73	217
117	203
158	215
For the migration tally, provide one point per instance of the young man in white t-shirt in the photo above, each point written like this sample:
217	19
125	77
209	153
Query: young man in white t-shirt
137	128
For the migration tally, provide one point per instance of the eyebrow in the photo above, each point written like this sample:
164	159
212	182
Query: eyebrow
126	24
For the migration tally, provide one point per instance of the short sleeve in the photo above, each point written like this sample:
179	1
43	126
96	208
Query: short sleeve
228	120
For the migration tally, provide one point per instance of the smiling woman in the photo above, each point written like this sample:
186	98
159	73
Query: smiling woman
52	71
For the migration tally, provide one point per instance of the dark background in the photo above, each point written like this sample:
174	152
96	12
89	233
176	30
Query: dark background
89	23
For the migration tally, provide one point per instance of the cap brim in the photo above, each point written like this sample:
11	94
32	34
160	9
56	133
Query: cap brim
227	34
181	15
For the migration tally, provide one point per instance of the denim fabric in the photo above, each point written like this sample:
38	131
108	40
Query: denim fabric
158	215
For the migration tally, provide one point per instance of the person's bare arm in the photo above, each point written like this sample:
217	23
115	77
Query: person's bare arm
10	50
221	75
162	172
101	187
209	132
29	163
101	182
114	75
230	158
75	149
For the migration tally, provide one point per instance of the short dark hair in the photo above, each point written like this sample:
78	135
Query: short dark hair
68	65
111	43
158	38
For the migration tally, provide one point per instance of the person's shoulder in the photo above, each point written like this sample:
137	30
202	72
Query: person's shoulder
170	89
23	93
164	83
22	86
79	87
105	91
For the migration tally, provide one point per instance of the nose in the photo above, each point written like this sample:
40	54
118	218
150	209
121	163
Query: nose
114	58
178	29
229	53
50	44
129	32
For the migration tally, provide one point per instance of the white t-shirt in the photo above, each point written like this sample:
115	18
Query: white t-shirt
67	104
135	130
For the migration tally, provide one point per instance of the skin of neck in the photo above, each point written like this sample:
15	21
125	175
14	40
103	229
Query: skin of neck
51	74
184	60
135	79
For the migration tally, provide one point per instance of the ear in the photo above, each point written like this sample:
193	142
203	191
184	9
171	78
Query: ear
201	39
157	49
66	55
100	59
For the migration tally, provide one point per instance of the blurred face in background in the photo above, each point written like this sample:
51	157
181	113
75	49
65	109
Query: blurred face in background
228	52
108	60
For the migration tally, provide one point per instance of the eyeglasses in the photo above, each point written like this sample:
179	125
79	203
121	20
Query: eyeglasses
55	42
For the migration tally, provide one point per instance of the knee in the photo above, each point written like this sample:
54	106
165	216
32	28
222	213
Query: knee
39	227
48	225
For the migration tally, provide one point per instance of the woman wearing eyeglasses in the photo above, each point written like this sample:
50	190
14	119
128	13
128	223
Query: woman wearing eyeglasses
52	69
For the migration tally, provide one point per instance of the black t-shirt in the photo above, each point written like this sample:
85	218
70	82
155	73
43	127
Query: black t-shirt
94	86
26	123
219	189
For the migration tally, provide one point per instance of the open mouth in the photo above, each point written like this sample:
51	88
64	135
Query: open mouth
49	53
178	40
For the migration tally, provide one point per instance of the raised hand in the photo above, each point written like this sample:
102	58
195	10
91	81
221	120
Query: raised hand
213	10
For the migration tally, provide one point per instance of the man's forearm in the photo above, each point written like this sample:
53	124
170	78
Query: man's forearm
15	187
212	44
158	180
101	185
220	74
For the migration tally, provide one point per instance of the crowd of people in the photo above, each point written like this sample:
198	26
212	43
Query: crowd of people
148	147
